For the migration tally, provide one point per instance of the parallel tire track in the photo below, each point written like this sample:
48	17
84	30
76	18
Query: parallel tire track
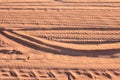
72	14
60	48
80	47
27	42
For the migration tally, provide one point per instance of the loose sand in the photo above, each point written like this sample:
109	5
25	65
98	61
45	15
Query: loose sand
59	40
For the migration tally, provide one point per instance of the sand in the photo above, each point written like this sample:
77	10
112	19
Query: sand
59	40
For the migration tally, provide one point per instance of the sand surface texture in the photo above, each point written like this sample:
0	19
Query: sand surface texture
59	39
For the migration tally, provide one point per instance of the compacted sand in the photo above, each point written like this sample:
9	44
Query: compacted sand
59	39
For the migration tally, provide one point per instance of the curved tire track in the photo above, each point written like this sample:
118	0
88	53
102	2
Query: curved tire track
55	48
26	42
78	47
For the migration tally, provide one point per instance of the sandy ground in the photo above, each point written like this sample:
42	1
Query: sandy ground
59	40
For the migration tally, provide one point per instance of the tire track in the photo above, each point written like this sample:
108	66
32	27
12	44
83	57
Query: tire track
37	4
27	43
18	17
53	74
79	47
106	15
63	50
77	36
